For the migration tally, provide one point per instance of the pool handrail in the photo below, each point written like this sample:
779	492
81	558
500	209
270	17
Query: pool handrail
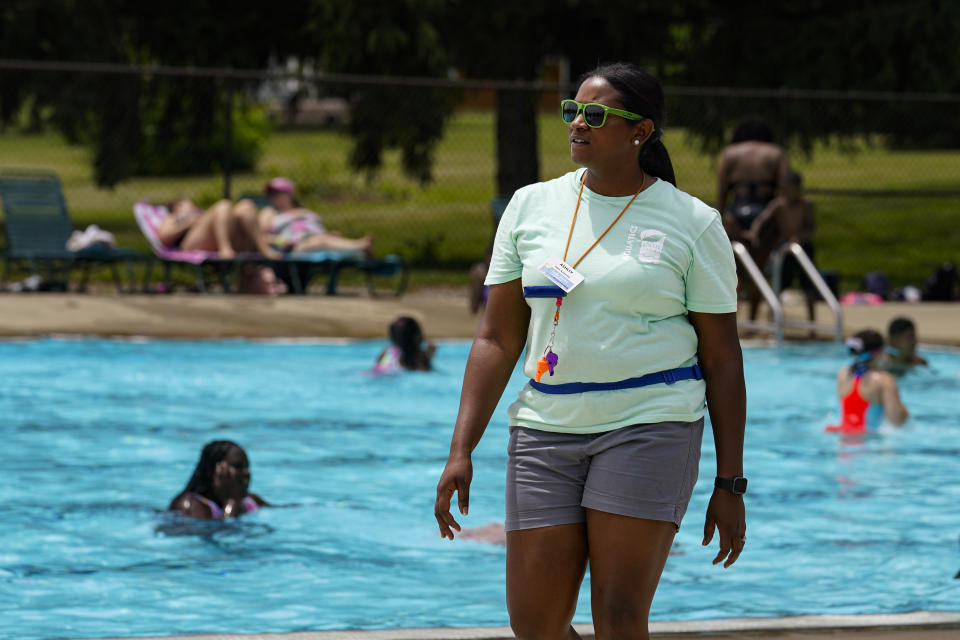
772	299
813	273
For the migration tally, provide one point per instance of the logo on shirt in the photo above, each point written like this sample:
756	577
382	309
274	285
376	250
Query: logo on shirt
650	240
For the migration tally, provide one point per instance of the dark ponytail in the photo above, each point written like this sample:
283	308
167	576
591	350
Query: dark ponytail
641	93
405	333
655	160
863	346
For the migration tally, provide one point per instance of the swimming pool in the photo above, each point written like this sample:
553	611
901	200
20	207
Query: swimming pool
98	435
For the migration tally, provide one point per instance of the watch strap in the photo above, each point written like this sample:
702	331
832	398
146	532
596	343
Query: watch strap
736	485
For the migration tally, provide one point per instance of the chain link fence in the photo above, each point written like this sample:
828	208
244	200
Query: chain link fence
883	203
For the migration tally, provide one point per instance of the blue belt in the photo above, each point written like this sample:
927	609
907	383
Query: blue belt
669	376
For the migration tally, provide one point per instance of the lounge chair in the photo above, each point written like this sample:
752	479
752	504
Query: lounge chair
295	269
37	227
387	276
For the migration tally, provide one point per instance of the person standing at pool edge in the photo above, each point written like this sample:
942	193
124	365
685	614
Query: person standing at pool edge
599	471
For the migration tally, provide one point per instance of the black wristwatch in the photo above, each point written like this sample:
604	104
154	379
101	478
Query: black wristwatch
737	486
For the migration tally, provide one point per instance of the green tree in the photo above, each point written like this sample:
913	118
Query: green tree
821	45
141	123
397	38
509	41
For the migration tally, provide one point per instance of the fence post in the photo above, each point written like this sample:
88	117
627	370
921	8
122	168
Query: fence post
228	138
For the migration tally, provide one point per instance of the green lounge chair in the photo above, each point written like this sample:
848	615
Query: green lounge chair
37	226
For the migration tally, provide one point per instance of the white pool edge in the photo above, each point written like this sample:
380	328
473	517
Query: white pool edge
913	619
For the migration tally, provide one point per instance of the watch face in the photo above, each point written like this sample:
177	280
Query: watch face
739	485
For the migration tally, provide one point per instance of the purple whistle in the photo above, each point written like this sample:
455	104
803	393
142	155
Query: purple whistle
552	360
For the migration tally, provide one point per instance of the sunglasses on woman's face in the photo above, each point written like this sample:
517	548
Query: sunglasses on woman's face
594	114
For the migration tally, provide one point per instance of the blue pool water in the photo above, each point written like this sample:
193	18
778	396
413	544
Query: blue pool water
98	435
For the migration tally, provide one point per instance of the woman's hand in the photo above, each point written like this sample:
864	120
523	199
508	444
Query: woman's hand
726	513
456	477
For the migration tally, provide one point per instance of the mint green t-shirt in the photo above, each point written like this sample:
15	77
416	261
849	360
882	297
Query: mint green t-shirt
667	255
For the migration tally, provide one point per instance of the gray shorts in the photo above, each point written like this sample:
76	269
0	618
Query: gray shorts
642	471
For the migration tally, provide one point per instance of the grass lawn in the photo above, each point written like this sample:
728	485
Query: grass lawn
448	221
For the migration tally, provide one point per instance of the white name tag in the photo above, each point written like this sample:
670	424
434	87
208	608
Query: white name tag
561	274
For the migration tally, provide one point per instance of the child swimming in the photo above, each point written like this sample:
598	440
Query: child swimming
218	488
862	386
406	350
901	352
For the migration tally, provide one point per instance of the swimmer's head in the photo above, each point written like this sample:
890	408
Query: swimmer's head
217	455
865	345
902	334
405	333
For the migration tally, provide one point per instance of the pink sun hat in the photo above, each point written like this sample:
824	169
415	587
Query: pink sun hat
284	185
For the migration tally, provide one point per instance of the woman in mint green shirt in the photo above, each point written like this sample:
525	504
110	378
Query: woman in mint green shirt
623	290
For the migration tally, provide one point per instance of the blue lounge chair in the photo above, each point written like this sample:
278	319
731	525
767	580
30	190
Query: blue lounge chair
37	226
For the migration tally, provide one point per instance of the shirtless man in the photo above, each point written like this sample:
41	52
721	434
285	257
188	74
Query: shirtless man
751	168
786	219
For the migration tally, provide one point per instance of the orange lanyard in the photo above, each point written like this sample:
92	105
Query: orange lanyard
577	208
549	360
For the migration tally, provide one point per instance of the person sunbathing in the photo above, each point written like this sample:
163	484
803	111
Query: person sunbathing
222	228
219	486
294	229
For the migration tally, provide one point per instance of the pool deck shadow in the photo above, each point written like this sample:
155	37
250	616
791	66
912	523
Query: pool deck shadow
443	314
919	625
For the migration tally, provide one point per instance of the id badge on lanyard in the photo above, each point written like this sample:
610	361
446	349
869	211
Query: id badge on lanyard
567	277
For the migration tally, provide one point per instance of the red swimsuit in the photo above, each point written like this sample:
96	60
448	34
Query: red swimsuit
854	408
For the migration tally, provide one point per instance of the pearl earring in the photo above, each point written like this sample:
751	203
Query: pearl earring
636	142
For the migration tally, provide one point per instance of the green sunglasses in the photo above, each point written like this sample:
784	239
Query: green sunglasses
594	114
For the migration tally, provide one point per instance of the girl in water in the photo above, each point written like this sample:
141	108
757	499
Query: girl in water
219	486
406	349
867	394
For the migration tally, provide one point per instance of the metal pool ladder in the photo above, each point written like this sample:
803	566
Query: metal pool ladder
772	295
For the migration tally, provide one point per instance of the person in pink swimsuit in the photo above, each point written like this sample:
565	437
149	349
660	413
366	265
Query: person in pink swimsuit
295	229
219	486
861	386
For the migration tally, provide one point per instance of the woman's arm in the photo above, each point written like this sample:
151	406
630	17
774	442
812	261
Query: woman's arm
176	224
260	501
427	354
893	408
498	345
722	364
770	211
265	220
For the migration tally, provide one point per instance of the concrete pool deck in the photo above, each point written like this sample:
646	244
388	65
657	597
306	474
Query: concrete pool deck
443	314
